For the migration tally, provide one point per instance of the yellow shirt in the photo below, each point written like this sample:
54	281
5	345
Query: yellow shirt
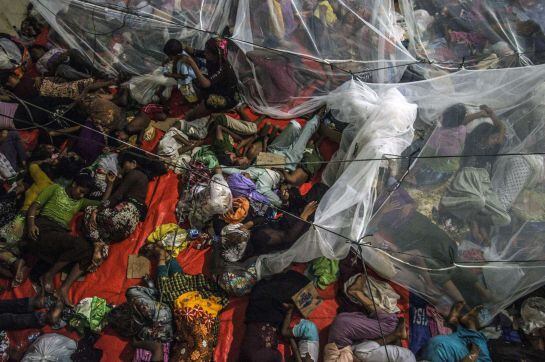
330	17
41	181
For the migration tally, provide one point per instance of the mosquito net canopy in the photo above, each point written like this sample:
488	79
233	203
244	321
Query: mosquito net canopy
460	215
482	34
463	220
284	51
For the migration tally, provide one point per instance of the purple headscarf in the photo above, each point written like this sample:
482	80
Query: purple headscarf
242	186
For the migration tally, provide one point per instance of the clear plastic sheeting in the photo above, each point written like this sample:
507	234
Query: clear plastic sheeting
380	124
284	51
482	34
466	227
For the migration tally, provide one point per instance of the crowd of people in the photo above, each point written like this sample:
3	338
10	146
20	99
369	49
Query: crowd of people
80	149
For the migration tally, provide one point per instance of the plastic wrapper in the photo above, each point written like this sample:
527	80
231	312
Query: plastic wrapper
144	88
283	51
51	347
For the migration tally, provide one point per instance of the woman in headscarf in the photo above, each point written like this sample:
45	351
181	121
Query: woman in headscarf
119	215
219	87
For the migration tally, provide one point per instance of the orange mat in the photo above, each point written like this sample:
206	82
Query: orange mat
110	280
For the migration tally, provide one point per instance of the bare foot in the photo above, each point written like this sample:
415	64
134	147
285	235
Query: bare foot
21	273
471	319
401	329
63	297
37	302
454	315
55	313
156	348
46	282
357	289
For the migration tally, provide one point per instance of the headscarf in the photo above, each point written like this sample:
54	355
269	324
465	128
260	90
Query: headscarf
242	186
219	47
241	207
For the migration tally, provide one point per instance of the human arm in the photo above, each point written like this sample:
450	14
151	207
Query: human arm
473	116
497	122
110	180
94	87
32	229
204	82
474	352
246	142
21	153
36	173
68	130
287	332
127	182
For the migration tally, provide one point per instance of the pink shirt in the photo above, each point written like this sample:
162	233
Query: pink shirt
448	141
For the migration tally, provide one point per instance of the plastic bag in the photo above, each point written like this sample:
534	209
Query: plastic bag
221	198
144	88
51	347
10	56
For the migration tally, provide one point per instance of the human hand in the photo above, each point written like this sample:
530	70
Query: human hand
93	219
33	230
110	177
309	209
486	109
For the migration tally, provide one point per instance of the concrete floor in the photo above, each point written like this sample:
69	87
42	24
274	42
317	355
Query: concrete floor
13	12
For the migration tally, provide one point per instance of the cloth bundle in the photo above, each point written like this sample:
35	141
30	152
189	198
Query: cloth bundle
171	237
383	293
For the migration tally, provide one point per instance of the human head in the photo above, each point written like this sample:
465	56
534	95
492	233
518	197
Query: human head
486	134
215	50
453	116
30	27
3	135
136	159
42	152
80	187
36	52
128	162
242	162
172	48
68	166
9	79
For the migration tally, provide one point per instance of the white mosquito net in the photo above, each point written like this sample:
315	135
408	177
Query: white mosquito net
467	227
284	51
482	34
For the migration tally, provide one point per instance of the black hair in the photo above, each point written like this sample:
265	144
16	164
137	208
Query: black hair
173	47
68	167
4	75
40	153
483	131
224	159
84	180
151	168
454	115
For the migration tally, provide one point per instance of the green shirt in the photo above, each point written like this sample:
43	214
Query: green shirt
58	206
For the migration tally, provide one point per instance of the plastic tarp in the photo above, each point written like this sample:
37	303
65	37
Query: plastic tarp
284	52
482	34
460	227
